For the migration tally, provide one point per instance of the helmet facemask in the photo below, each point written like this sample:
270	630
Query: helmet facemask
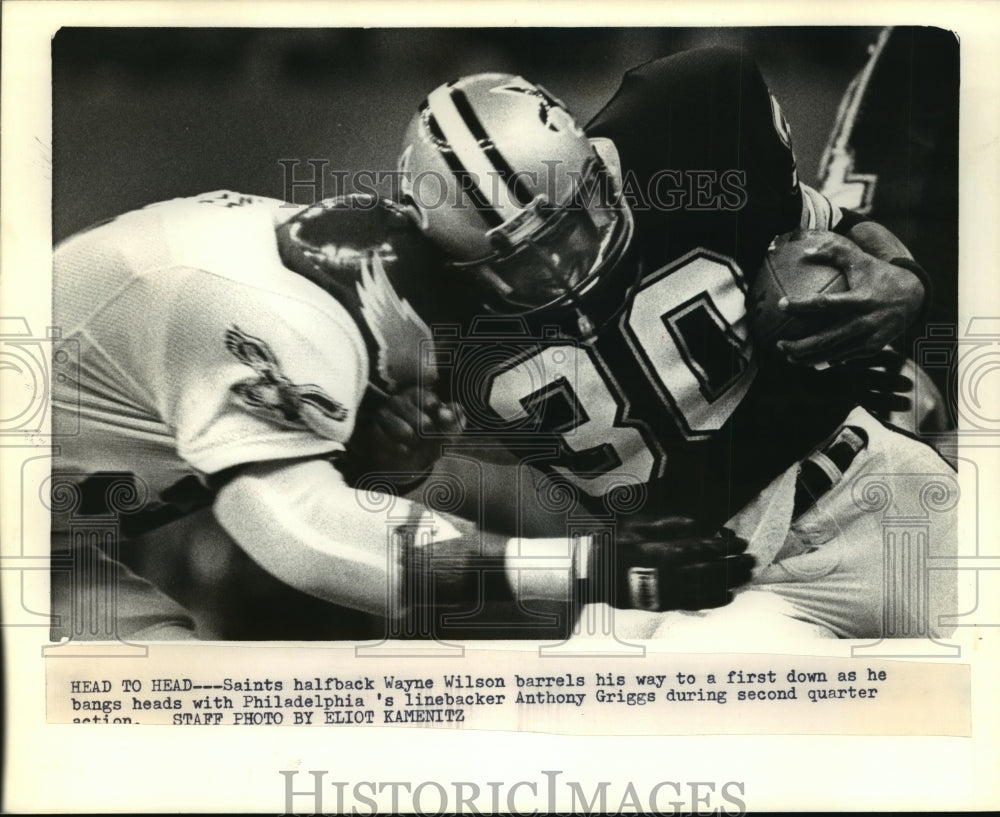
550	255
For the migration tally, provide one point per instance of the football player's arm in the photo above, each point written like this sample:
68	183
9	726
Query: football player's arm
301	522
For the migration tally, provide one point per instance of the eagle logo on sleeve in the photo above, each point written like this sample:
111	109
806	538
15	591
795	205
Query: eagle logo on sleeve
398	330
271	395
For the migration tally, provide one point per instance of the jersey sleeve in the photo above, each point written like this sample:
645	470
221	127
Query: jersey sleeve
709	109
252	372
819	213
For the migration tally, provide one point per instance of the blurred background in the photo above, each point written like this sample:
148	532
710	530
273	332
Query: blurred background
141	115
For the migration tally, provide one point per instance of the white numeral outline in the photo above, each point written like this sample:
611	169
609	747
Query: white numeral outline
707	279
699	280
575	368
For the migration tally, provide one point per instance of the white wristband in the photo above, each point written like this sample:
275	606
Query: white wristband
546	569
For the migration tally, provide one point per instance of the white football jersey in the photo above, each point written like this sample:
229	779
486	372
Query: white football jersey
198	349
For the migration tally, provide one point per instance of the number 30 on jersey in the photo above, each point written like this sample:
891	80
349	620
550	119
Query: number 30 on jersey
687	327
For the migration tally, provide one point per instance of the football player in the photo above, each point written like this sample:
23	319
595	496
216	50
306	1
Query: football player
237	340
627	247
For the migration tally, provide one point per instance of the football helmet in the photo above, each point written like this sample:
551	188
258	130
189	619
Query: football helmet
505	181
370	255
334	240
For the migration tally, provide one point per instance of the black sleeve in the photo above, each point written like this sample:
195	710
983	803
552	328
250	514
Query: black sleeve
705	109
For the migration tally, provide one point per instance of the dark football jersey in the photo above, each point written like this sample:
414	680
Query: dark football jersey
668	406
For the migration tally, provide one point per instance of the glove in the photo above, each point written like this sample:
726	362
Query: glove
671	563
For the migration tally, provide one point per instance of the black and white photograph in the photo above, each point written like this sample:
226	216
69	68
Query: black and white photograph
460	331
582	378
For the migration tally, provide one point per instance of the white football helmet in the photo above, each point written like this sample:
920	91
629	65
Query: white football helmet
505	181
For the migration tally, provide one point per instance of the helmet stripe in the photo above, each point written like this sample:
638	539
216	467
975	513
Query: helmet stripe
518	189
462	175
470	156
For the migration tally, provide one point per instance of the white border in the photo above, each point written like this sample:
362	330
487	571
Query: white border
64	768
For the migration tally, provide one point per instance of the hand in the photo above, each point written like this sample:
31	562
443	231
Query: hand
402	433
881	302
671	564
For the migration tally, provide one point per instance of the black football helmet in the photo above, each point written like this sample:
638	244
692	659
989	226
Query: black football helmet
369	253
